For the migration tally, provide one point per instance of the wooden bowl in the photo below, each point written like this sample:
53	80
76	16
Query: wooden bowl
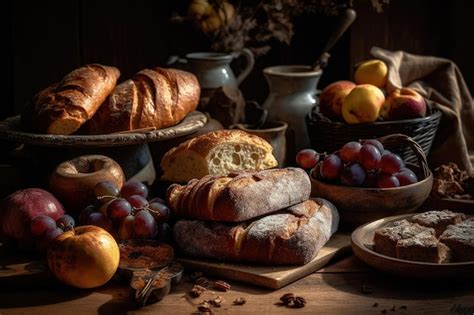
357	205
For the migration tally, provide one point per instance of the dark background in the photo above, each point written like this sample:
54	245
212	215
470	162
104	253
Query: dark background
44	40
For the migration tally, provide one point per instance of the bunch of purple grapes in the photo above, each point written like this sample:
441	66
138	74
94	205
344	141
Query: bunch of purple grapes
365	164
45	230
127	213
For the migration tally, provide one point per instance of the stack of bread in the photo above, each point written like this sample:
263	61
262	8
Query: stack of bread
237	209
433	236
88	98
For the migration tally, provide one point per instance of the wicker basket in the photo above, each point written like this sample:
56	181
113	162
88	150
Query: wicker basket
329	136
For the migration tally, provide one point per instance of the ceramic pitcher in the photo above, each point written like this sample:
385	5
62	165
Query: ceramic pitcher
213	69
292	95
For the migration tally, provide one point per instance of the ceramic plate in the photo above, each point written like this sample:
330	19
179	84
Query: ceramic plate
362	245
10	130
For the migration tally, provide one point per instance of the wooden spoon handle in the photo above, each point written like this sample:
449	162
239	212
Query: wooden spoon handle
346	19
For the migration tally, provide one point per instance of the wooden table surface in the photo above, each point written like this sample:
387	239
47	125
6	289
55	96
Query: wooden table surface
346	286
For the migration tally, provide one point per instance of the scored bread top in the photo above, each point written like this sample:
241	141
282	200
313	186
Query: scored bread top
217	153
158	97
290	236
239	197
63	107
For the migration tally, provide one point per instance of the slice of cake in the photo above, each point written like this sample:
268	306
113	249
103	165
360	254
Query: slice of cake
386	238
460	239
438	220
425	247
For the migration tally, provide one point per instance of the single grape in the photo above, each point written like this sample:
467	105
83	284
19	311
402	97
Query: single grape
350	152
159	211
332	167
353	175
316	171
40	224
307	158
84	214
157	199
406	177
375	143
370	157
144	225
100	220
103	208
134	188
66	222
370	180
119	209
106	191
387	181
48	237
137	201
164	233
125	230
391	163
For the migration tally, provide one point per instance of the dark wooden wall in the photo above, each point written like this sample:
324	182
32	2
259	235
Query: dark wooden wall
47	39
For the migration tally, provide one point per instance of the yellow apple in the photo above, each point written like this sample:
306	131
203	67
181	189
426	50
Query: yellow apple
372	72
84	257
404	103
362	104
332	97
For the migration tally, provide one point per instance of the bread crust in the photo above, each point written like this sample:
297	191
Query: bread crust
158	97
243	196
292	236
63	107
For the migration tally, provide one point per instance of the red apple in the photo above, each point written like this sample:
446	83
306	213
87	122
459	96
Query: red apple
84	257
73	181
332	98
404	103
18	209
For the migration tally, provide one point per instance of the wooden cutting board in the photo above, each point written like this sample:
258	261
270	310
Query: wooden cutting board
273	277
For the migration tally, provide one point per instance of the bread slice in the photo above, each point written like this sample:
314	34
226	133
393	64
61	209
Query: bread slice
438	220
386	238
460	239
425	247
217	153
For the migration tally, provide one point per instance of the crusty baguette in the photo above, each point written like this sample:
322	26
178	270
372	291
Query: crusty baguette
155	97
63	107
239	197
217	153
292	236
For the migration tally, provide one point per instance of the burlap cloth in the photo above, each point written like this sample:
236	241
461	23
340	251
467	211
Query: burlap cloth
442	84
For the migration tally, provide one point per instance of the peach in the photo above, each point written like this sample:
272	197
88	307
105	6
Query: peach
363	104
332	97
404	103
372	72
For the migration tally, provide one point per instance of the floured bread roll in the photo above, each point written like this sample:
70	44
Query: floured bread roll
217	153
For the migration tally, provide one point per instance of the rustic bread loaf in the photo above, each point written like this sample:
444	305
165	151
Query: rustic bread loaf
425	247
292	236
460	239
155	97
386	238
63	107
438	220
217	153
239	197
